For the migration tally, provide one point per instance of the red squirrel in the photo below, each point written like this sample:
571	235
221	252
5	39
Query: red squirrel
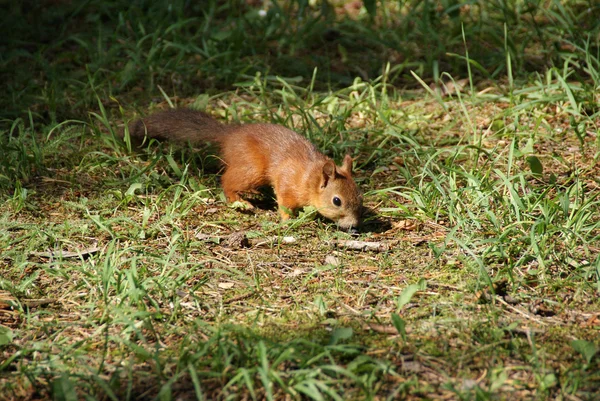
256	155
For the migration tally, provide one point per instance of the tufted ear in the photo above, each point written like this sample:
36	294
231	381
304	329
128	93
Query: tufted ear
328	173
347	165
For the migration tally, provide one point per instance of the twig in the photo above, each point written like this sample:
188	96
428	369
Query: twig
238	297
29	303
380	328
520	312
363	245
66	254
239	239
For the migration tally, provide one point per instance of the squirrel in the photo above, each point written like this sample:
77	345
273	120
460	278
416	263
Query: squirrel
256	155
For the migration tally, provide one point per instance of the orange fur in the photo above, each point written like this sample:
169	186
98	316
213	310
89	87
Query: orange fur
257	155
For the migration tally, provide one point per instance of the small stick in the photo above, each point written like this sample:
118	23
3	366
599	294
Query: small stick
363	245
29	303
66	254
239	297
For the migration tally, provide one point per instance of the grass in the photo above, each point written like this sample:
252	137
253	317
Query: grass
475	133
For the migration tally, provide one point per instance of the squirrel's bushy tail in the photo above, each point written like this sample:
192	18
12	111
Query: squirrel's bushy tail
178	125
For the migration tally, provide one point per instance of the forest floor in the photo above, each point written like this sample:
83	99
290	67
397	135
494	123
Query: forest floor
127	276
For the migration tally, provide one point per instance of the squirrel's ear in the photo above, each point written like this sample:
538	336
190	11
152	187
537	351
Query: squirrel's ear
347	164
328	172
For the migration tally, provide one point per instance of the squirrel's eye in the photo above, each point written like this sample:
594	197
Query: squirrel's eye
337	201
